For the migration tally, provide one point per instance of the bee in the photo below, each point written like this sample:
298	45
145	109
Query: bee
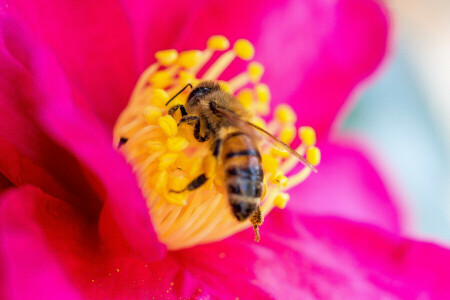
217	117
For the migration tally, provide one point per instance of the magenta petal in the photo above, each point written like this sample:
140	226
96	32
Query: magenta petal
27	154
315	52
156	25
93	43
347	185
51	249
52	111
28	268
301	257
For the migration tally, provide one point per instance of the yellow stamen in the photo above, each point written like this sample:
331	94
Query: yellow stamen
281	200
166	158
161	79
244	49
177	144
218	42
166	57
152	114
285	114
313	155
189	59
246	98
159	98
168	125
307	135
287	134
255	71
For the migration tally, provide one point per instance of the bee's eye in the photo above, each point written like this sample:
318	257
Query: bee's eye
198	92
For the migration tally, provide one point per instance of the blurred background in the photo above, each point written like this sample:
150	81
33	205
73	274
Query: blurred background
406	113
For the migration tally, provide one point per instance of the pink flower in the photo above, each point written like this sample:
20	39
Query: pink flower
73	222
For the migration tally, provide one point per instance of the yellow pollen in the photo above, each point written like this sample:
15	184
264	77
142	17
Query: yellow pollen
166	57
152	114
270	163
281	200
275	151
159	98
186	77
279	179
189	59
287	134
244	49
160	180
161	79
285	114
307	135
255	71
246	98
313	155
168	125
218	43
262	93
167	158
177	144
155	146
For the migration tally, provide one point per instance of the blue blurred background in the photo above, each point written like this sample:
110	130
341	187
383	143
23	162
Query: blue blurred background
406	114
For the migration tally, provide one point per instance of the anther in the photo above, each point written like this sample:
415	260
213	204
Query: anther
245	97
313	155
168	125
166	160
287	134
189	59
255	71
218	43
244	49
161	79
159	98
166	57
307	135
175	144
281	200
152	114
285	114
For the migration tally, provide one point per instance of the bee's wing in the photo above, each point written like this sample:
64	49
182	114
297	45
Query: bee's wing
250	127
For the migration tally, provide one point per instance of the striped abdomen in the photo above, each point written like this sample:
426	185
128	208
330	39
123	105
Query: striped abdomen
243	174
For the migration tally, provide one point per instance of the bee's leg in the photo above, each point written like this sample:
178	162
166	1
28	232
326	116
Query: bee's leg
194	184
216	148
174	109
257	220
122	141
194	120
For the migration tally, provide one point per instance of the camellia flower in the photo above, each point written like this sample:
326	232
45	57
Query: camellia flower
73	219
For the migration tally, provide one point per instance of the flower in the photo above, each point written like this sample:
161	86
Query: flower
73	221
167	158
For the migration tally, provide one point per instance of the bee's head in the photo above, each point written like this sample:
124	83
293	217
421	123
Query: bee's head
201	90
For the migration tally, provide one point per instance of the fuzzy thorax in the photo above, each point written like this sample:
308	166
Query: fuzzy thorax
166	157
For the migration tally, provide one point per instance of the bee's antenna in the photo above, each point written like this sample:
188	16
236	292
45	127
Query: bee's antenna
179	93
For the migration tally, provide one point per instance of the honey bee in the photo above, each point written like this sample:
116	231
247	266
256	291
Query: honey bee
217	117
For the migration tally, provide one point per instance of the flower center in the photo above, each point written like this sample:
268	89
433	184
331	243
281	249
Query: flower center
166	157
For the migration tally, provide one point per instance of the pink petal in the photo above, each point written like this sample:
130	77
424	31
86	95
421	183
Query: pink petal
52	112
27	154
28	267
315	52
92	41
51	249
301	257
155	26
348	185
